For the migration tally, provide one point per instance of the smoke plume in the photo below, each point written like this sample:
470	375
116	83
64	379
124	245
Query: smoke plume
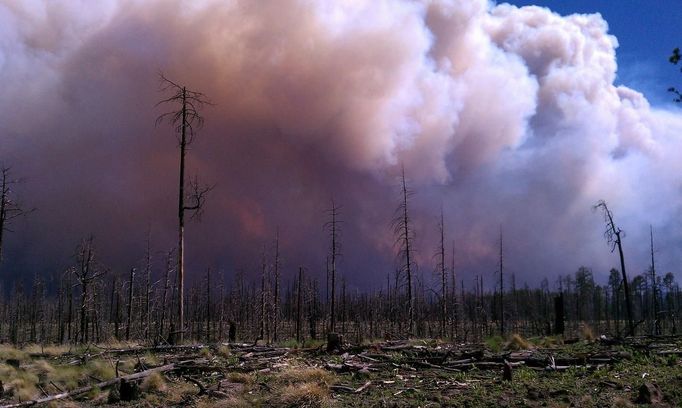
501	116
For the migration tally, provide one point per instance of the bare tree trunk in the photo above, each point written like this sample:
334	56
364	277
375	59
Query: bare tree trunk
275	334
262	298
299	295
501	288
332	225
186	120
181	221
654	285
443	277
613	236
131	282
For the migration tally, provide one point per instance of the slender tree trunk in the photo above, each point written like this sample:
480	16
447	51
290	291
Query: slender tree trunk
275	334
131	283
299	295
501	288
181	221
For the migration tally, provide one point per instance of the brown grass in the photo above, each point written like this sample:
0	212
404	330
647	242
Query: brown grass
231	402
242	378
307	375
517	342
587	333
224	351
154	383
306	395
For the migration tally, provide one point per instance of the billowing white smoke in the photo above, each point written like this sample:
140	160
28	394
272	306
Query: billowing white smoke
503	115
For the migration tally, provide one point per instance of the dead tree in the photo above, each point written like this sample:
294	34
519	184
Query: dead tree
402	229
166	286
299	304
146	320
333	227
131	284
263	297
654	286
186	120
614	236
442	271
275	329
9	208
501	288
85	275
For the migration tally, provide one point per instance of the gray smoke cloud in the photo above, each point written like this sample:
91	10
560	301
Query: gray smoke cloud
502	116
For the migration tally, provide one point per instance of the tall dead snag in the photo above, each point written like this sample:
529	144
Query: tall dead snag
131	286
299	304
9	208
275	329
654	287
85	274
501	288
333	227
613	236
442	271
186	120
263	297
402	230
146	318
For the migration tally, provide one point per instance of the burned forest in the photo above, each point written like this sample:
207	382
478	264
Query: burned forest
340	204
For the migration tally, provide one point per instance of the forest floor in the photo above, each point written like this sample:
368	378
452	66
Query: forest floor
545	372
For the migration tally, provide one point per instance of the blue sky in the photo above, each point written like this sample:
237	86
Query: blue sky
647	31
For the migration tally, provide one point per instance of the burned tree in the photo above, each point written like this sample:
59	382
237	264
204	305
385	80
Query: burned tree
275	300
501	287
333	227
9	208
614	236
442	272
402	229
186	120
85	273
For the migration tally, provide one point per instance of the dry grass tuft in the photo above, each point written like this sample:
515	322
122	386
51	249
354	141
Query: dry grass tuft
66	376
205	352
231	402
620	402
241	378
307	375
50	351
224	351
178	390
517	342
101	369
307	395
8	352
154	383
23	386
587	333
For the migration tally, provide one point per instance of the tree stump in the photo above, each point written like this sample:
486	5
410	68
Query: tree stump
650	393
507	371
334	342
232	336
129	390
559	314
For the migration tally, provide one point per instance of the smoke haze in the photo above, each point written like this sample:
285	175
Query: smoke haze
501	116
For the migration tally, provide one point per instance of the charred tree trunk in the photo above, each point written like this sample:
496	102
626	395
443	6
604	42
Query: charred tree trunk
131	283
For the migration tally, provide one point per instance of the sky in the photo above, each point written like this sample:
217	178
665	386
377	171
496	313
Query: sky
505	117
